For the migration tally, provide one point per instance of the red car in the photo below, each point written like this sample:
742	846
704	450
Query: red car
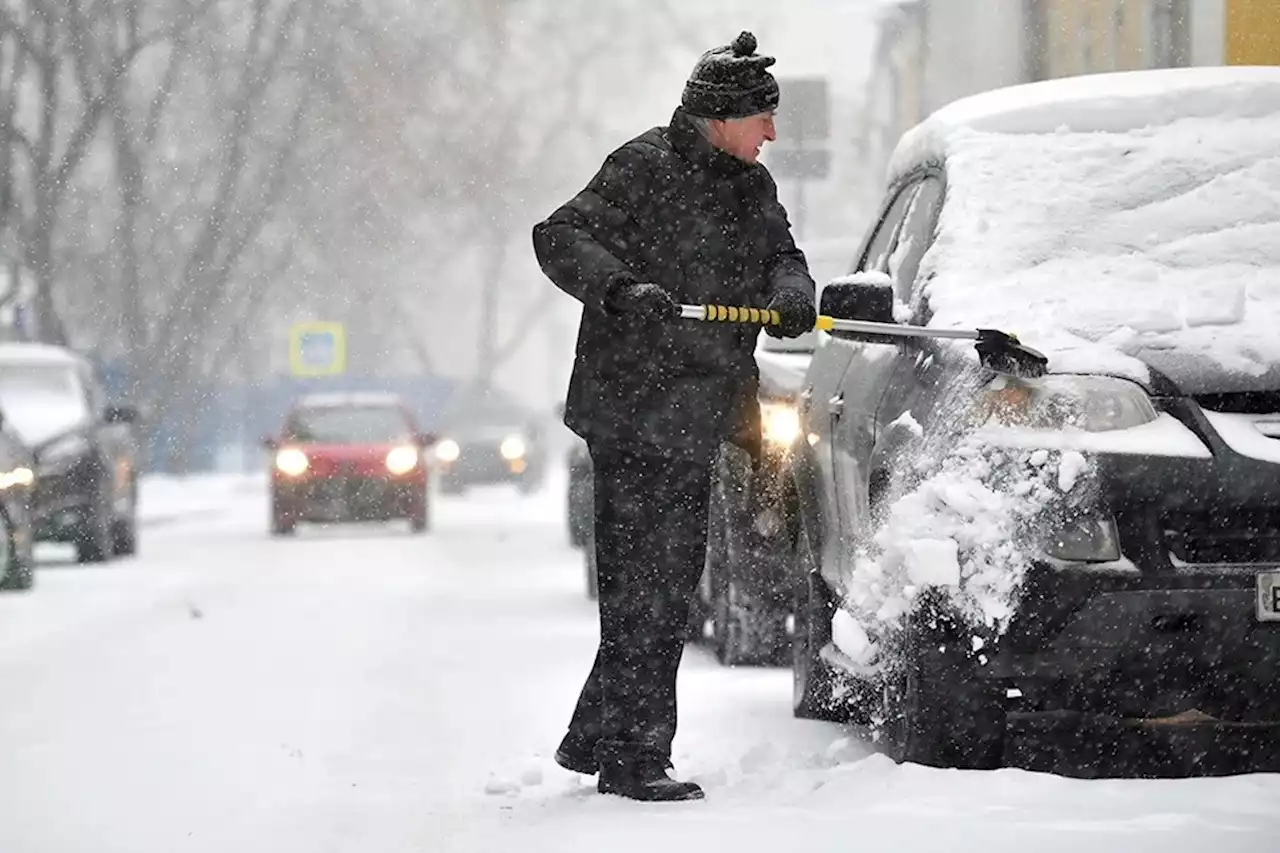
348	457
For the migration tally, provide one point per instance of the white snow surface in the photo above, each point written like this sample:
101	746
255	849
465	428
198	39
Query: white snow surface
362	689
1113	218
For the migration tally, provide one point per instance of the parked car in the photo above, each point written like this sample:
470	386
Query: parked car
347	458
17	534
743	601
983	552
489	443
85	450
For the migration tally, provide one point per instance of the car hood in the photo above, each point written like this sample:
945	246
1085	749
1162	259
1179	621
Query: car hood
43	421
1170	371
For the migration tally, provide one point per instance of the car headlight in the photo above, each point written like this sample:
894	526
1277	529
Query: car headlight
780	422
402	460
512	447
1090	403
292	462
448	450
64	450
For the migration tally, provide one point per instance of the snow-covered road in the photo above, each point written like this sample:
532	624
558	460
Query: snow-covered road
368	690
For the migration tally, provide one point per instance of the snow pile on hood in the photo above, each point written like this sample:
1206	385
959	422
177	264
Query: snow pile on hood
1114	230
970	526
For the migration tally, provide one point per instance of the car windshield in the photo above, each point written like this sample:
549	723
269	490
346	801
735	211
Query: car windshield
42	400
349	425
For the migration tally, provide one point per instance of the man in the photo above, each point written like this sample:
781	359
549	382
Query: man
682	213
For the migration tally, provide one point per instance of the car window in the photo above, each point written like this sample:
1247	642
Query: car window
914	238
878	249
349	425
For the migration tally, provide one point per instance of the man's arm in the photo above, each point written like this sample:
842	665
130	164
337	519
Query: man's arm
786	265
579	245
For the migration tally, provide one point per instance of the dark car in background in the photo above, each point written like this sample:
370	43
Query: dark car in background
1095	550
486	443
348	458
85	449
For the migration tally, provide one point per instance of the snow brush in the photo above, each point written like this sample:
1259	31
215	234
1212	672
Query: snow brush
997	350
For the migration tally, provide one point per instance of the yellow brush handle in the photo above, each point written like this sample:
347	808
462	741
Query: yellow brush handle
735	314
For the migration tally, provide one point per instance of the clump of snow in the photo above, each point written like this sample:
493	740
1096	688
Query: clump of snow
969	527
909	422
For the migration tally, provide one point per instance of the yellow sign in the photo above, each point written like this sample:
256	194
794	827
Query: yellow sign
317	349
1253	32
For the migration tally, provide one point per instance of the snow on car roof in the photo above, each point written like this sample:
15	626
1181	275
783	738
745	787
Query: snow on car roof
1111	219
33	353
352	398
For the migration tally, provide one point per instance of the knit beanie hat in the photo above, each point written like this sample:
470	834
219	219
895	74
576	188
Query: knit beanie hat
731	82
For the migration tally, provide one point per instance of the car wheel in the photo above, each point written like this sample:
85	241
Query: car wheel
420	520
747	628
18	573
282	523
938	710
812	681
589	567
96	540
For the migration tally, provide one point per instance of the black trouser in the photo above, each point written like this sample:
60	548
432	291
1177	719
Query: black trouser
650	540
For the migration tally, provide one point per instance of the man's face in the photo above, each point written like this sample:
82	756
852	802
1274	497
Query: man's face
744	137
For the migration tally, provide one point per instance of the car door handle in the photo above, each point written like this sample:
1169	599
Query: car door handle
836	405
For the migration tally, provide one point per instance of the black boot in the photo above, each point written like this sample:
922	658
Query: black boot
578	756
644	778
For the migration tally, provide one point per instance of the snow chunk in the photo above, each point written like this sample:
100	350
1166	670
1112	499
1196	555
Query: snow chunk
907	420
851	639
1072	465
933	562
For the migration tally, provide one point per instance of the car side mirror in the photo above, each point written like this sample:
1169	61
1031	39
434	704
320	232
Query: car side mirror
861	296
120	414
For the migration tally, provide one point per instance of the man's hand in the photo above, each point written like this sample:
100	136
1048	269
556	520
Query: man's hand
642	300
795	310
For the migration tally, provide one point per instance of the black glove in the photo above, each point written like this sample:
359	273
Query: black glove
641	300
795	310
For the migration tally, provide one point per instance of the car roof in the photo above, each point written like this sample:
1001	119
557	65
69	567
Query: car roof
1114	102
348	400
34	353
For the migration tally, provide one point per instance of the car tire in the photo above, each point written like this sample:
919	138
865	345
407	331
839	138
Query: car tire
95	541
420	519
589	568
939	712
18	572
813	695
282	523
746	629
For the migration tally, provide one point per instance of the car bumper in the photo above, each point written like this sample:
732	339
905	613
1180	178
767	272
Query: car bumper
1175	626
348	498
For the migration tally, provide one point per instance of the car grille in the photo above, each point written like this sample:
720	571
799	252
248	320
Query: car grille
1242	403
1238	536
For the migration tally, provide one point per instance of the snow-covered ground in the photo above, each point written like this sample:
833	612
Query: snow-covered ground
368	690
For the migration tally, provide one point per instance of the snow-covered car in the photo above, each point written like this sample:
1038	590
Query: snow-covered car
85	449
986	553
346	458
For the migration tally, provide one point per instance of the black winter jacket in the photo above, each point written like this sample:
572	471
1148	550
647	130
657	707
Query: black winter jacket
669	208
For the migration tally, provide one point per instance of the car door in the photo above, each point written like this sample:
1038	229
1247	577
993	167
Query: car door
841	410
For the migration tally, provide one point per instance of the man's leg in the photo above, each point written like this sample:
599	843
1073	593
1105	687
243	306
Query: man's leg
651	544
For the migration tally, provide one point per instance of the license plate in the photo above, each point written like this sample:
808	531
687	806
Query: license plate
1269	596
